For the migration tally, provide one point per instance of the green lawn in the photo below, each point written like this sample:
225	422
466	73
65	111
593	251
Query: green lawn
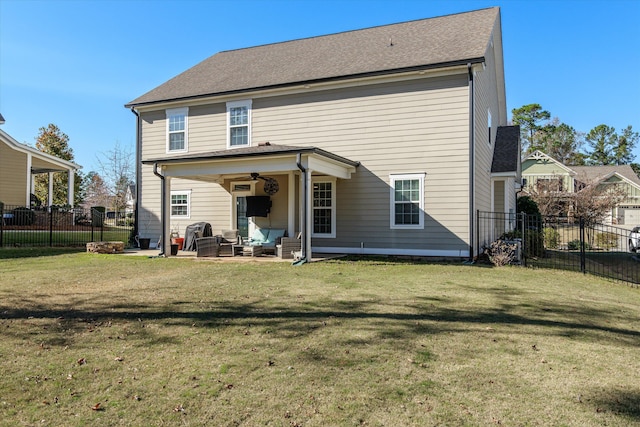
174	341
27	238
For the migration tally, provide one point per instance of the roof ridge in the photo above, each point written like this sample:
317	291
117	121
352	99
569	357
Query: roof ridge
357	30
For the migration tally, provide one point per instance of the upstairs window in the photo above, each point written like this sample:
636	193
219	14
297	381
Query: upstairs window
177	120
407	201
239	124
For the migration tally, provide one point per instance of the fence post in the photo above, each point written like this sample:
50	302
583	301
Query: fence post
1	224
583	263
523	230
50	226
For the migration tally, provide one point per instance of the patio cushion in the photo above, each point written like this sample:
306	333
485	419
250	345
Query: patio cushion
274	235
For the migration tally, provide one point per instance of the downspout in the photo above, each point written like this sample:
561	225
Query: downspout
472	156
136	215
303	238
162	202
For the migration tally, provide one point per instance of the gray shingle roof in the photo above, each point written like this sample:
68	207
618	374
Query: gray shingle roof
596	173
507	149
441	41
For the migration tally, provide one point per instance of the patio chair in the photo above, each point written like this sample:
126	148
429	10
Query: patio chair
226	240
207	247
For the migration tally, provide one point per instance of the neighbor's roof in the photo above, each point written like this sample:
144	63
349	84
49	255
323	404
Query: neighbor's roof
427	43
506	153
597	173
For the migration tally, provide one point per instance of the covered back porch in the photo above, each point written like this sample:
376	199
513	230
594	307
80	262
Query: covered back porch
276	180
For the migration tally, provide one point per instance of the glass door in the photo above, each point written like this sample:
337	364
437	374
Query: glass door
240	191
242	222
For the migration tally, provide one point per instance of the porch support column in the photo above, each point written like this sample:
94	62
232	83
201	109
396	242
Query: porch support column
70	187
308	212
50	199
291	211
30	183
166	217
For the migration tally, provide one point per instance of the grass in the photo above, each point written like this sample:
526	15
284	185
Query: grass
62	237
369	342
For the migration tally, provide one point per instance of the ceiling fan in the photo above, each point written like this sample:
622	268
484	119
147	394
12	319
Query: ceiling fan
271	186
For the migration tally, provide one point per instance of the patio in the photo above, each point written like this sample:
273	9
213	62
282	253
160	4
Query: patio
227	258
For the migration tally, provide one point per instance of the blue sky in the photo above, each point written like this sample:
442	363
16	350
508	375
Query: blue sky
76	63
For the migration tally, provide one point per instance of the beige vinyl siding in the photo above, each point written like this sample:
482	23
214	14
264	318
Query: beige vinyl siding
13	178
418	126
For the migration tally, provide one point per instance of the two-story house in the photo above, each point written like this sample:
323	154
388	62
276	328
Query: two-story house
542	173
385	140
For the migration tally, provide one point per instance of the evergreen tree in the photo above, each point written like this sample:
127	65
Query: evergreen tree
52	140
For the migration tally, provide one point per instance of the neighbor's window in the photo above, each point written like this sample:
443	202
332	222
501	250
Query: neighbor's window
239	124
489	124
407	201
180	204
324	209
177	120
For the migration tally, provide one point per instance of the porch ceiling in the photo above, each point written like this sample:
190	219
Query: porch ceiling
263	159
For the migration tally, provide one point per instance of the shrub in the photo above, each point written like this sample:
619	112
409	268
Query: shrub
551	238
606	240
502	253
574	245
527	205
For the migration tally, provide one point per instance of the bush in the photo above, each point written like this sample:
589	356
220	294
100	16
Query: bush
527	205
23	216
551	238
574	245
606	240
502	253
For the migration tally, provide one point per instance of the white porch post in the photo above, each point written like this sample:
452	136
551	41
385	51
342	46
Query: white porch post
309	221
30	183
50	198
291	207
70	187
166	214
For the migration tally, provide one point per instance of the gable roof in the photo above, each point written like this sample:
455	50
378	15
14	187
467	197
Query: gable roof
44	162
601	173
589	174
506	152
428	43
540	156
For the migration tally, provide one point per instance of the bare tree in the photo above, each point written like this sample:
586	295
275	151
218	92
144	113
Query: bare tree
592	201
117	170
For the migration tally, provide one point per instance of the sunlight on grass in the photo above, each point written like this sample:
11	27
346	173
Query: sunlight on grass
176	341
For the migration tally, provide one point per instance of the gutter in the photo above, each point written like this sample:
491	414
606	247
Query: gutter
163	219
136	215
303	238
472	156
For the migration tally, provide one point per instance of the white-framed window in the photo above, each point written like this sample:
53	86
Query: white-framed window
177	129
180	204
407	201
323	208
489	124
239	124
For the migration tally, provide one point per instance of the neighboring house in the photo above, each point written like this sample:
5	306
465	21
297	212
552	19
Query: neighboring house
385	140
18	165
541	172
130	199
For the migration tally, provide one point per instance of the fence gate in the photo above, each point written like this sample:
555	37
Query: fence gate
563	243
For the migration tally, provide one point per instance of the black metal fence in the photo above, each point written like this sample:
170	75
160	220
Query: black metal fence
62	226
562	243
